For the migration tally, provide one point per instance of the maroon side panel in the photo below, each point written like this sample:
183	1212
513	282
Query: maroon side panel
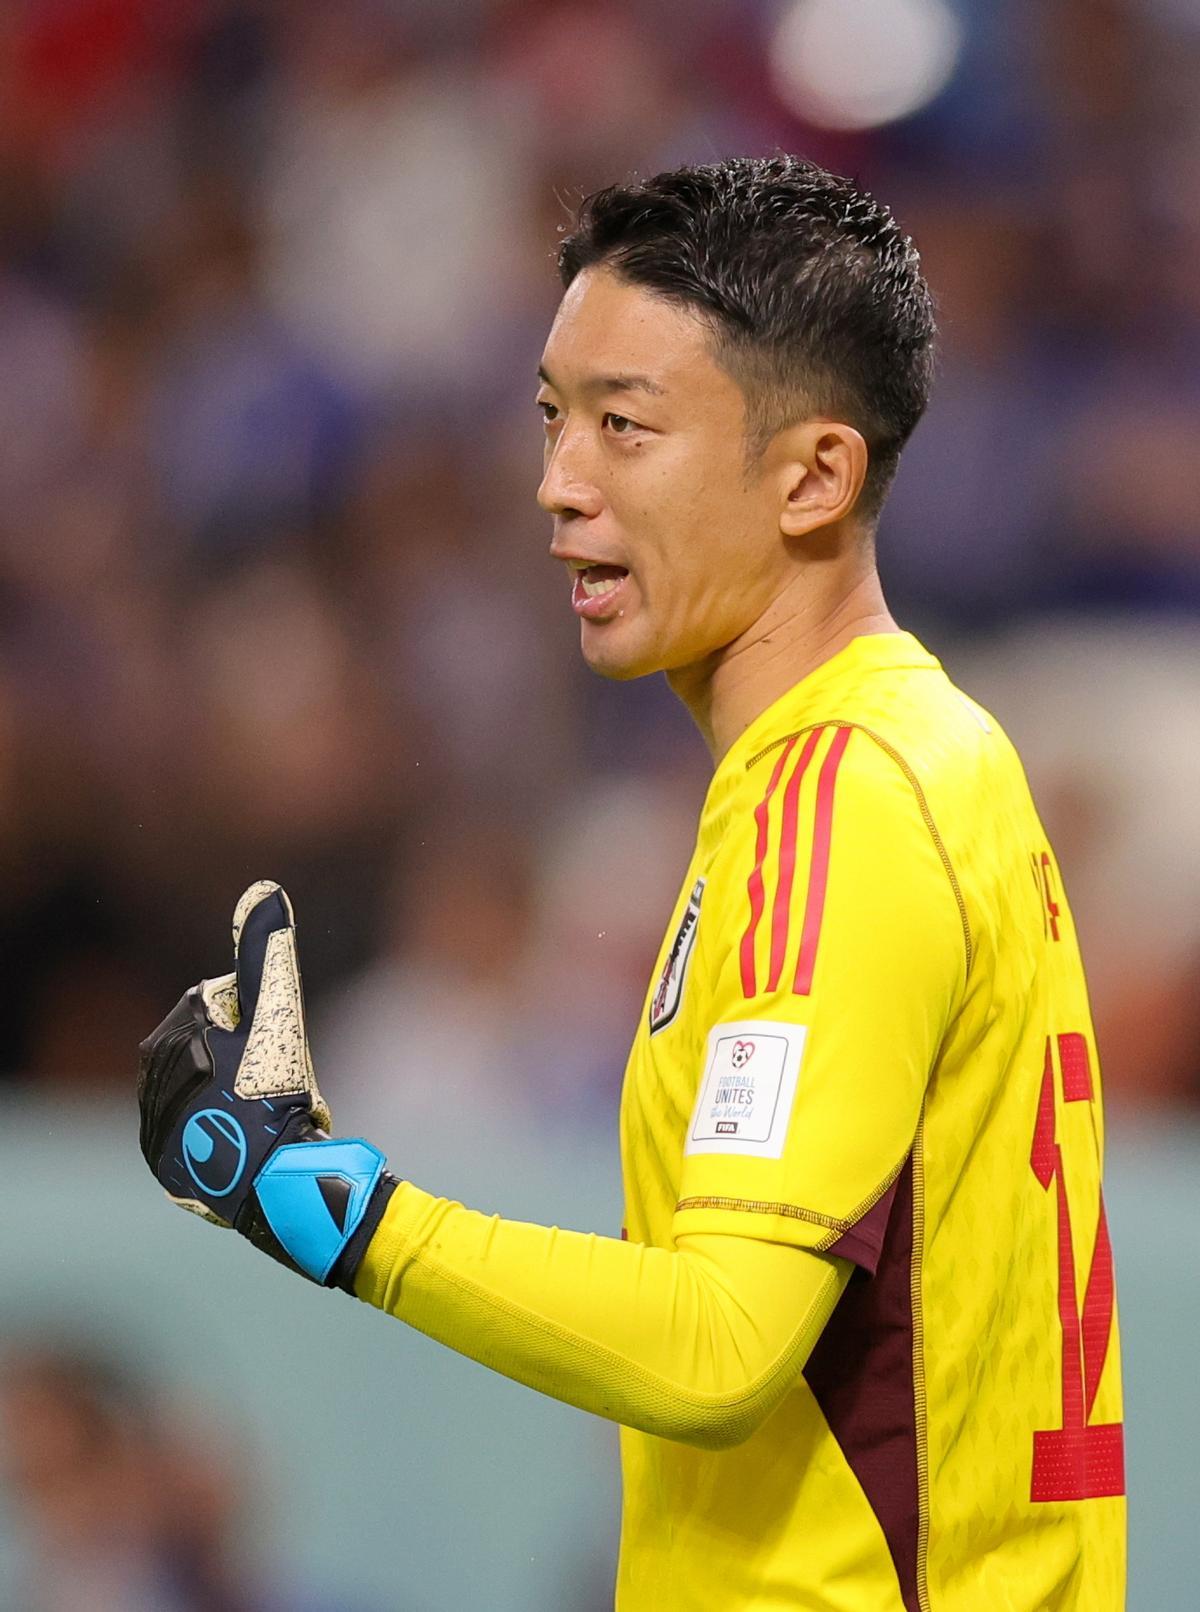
863	1241
861	1374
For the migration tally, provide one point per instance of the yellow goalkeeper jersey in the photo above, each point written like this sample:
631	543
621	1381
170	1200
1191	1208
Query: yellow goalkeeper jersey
869	1034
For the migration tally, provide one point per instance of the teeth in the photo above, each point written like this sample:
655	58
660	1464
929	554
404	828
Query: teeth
595	589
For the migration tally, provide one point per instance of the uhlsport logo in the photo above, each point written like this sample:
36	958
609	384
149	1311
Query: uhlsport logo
214	1151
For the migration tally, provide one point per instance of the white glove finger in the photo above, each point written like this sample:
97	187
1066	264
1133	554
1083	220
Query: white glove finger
276	1060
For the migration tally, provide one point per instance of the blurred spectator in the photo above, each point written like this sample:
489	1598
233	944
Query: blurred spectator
123	1504
1106	715
393	204
430	1034
511	983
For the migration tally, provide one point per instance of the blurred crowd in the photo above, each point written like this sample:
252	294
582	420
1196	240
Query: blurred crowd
127	1499
274	593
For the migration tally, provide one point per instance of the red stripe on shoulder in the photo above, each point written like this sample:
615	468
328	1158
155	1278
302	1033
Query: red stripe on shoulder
781	912
754	884
818	868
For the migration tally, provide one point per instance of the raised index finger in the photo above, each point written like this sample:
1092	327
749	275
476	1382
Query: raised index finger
262	910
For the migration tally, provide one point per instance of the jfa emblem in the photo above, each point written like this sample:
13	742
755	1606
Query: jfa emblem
665	1003
742	1053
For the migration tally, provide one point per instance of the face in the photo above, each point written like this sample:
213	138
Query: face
673	548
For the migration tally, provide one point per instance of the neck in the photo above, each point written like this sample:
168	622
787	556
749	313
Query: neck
800	630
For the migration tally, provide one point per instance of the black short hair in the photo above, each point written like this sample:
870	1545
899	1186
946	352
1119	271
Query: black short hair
814	293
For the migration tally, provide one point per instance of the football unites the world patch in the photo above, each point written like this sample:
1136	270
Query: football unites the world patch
749	1085
664	1004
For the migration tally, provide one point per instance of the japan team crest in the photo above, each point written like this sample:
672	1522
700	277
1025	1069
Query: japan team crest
665	1003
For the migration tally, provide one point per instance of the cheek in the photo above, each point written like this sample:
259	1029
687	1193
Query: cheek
697	534
683	506
715	546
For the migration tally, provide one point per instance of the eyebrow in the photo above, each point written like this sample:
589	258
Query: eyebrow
596	385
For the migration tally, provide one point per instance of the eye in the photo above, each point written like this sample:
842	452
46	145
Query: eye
619	425
549	411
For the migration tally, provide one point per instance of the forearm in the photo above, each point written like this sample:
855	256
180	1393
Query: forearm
697	1344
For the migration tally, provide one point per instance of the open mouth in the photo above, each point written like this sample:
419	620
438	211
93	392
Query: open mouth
596	591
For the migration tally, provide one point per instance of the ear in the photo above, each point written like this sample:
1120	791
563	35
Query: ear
820	482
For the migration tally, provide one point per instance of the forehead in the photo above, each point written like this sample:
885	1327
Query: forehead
604	326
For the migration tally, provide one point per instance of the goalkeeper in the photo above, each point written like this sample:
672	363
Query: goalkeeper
834	1395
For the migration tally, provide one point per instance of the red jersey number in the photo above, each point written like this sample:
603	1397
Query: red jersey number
1080	1460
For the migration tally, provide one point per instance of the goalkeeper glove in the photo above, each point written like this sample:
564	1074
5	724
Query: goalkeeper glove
232	1123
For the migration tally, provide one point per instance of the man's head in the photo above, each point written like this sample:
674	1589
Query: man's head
740	354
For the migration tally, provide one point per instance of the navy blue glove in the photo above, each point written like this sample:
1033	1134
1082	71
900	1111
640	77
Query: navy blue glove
232	1123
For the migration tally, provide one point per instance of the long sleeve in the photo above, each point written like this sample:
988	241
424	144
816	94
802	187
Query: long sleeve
697	1344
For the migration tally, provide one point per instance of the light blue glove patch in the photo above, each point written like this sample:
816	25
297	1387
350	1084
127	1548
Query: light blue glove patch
314	1195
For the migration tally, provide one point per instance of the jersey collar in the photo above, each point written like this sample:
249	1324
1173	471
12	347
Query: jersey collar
808	700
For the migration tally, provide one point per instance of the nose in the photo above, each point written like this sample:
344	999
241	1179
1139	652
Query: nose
566	487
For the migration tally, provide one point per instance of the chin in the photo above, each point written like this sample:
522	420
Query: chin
613	656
